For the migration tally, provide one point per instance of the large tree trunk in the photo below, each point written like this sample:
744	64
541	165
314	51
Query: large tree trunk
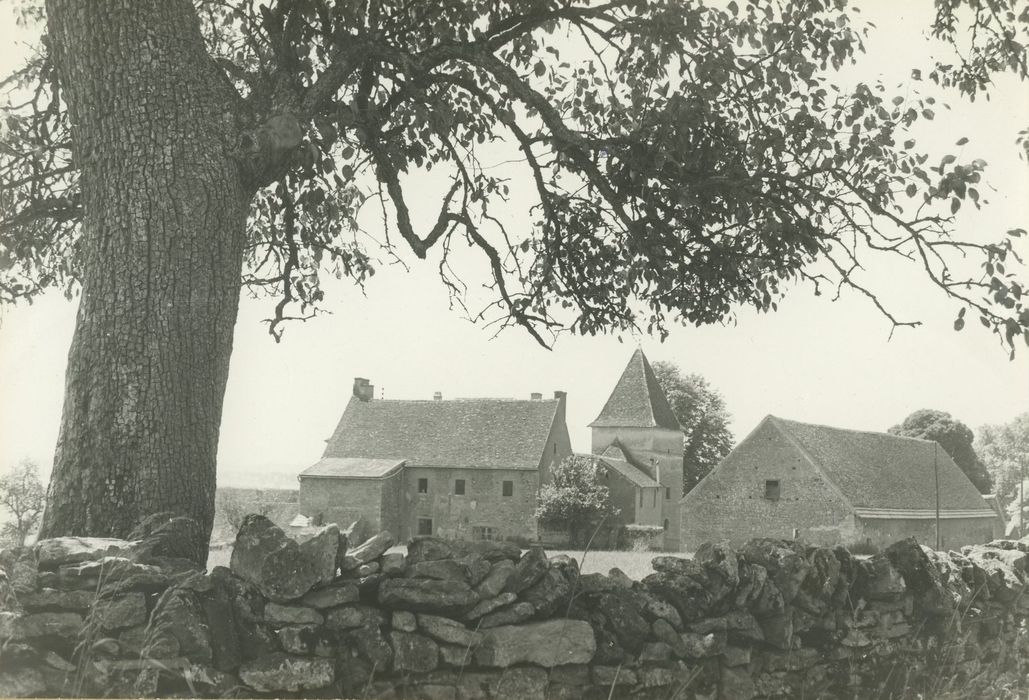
161	250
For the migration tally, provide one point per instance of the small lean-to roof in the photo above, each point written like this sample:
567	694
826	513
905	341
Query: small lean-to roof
352	468
637	400
629	472
459	433
884	475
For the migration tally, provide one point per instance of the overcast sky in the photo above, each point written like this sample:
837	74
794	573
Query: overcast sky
814	360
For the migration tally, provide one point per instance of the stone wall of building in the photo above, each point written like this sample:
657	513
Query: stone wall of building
665	448
733	498
482	505
954	532
481	620
335	500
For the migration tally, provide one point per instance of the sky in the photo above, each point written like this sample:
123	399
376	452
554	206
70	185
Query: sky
815	360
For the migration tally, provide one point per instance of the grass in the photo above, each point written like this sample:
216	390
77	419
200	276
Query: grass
636	565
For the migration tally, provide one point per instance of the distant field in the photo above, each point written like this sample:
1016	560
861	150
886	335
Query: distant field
636	565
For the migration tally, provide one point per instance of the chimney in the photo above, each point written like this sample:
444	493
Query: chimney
560	395
363	390
535	396
437	396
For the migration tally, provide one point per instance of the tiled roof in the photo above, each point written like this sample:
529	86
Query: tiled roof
353	467
637	400
475	433
883	471
629	472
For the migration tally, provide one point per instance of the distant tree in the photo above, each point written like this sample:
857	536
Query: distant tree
233	505
701	411
22	495
575	499
954	437
1004	449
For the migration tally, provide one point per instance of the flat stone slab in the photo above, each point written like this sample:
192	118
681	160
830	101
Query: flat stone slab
59	551
548	644
368	551
444	629
59	624
331	596
279	671
426	595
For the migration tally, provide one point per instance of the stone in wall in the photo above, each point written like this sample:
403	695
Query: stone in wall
547	644
282	569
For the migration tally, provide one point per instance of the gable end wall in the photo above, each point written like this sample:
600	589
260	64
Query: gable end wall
730	504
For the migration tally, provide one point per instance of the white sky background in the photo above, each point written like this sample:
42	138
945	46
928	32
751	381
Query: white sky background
814	360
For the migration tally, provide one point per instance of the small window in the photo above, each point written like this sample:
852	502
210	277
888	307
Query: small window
508	488
459	487
668	492
483	532
641	497
423	486
666	523
424	526
653	503
772	490
555	448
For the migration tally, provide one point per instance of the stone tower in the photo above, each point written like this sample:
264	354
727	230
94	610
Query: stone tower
638	417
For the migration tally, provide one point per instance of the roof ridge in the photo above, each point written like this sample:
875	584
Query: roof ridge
849	430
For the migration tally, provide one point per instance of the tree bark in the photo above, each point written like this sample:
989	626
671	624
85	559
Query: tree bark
160	256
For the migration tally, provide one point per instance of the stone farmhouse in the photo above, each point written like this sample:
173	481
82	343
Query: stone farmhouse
834	486
464	468
472	468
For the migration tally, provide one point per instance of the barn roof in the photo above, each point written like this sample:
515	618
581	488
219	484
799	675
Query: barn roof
637	400
352	467
885	475
473	433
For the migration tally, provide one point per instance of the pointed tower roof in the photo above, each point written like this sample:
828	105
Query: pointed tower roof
637	400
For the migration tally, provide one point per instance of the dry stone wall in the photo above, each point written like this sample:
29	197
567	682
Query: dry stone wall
484	620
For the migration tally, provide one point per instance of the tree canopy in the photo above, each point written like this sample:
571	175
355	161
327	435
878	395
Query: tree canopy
1004	449
21	496
685	160
704	418
953	436
160	156
575	499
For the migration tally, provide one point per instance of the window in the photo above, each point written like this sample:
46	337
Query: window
424	526
653	503
641	497
459	487
666	523
772	490
423	486
508	488
483	532
668	492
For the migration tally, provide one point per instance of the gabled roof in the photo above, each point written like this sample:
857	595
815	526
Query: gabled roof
885	475
352	467
637	400
622	467
473	433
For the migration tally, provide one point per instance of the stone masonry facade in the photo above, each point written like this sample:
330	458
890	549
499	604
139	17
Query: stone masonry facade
732	503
